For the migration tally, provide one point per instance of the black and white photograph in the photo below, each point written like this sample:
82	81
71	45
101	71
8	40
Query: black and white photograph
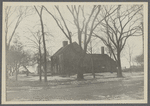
74	52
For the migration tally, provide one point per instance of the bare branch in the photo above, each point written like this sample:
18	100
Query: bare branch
59	23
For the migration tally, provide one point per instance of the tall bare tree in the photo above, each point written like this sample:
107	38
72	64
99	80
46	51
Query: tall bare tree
43	35
91	51
36	43
13	17
83	24
141	27
61	23
118	27
86	25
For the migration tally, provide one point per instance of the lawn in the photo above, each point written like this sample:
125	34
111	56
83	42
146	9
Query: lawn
106	86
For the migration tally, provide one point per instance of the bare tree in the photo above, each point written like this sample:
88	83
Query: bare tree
43	35
62	25
13	18
141	27
86	25
92	47
18	14
90	51
117	28
129	53
36	43
82	24
16	58
26	61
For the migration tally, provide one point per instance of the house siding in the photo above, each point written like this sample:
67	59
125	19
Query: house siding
66	60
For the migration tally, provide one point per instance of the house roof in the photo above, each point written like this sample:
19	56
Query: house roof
99	57
74	47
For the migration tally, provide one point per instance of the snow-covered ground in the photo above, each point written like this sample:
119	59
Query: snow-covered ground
99	76
106	86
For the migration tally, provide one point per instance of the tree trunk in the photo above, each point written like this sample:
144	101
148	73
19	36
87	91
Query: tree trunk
6	50
27	71
81	68
80	71
16	73
143	36
119	72
70	40
44	44
7	76
13	71
92	68
40	71
52	70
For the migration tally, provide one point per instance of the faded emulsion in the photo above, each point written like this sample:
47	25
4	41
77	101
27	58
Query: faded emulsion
74	53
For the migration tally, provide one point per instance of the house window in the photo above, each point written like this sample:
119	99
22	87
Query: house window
60	58
60	62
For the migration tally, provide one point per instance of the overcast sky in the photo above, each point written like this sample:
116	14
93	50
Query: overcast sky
55	37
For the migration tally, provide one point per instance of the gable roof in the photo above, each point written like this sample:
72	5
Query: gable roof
75	47
98	57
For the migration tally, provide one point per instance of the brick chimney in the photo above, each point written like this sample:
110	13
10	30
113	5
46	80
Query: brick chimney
102	50
65	43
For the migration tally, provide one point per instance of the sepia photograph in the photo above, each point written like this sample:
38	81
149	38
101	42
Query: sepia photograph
74	52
